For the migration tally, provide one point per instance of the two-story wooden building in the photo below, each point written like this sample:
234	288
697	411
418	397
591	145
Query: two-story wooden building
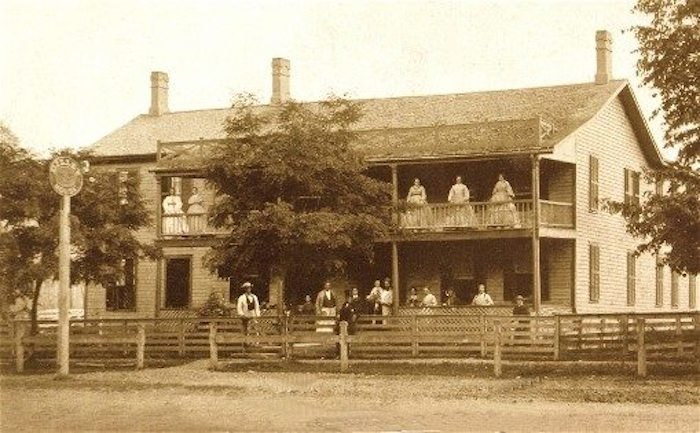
563	149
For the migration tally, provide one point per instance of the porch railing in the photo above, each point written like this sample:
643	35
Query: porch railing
485	215
184	224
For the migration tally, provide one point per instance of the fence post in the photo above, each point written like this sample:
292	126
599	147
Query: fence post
624	334
641	349
343	340
181	338
285	336
213	349
679	335
20	329
140	346
696	333
497	349
414	336
483	335
557	337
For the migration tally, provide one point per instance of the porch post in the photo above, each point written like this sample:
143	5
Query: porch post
395	275
536	275
394	192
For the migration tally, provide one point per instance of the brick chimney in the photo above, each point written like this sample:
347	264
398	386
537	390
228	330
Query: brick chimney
280	81
603	47
159	93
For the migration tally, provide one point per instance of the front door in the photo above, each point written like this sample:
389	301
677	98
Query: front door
177	282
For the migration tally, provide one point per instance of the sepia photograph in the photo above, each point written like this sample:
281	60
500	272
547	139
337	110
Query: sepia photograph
368	216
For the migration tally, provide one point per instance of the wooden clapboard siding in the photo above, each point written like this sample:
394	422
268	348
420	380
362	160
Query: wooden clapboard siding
560	183
609	136
558	255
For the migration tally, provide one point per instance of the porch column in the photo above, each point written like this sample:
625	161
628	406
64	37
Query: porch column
536	275
394	193
395	275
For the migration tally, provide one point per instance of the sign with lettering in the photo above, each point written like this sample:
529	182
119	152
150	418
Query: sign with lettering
65	176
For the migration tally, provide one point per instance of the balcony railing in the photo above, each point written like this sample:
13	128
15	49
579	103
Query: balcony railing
484	215
182	224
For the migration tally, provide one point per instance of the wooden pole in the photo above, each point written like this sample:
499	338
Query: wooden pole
497	368
213	348
536	275
343	340
641	349
557	337
140	346
395	276
63	352
20	329
394	193
482	319
414	336
181	338
679	335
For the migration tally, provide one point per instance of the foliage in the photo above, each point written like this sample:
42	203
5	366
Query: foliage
292	191
102	230
215	306
670	62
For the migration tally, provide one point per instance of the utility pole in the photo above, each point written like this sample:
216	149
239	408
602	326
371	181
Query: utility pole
66	179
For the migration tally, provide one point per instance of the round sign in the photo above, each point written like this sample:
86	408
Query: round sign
65	176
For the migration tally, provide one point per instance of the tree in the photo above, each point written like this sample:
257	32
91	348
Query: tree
104	217
293	192
670	62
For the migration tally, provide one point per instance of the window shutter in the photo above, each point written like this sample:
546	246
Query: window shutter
593	183
674	289
659	283
635	187
631	278
594	268
692	290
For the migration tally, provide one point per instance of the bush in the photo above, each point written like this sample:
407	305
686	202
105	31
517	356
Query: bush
215	307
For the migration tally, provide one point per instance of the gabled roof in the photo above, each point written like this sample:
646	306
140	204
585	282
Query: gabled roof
410	127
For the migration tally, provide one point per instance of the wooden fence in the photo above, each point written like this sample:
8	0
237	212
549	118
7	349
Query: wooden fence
604	337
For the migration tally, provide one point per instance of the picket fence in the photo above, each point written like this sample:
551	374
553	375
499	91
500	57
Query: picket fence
603	337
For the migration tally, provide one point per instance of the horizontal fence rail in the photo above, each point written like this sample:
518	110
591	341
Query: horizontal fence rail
604	337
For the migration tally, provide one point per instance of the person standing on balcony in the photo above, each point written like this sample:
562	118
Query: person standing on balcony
248	307
482	298
173	220
196	215
502	210
460	214
417	199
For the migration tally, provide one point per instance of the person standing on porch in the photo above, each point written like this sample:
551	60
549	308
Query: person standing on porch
459	196
386	298
248	307
482	298
373	297
520	308
417	198
326	301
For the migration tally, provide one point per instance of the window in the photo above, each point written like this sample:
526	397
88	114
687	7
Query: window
177	282
593	194
659	281
122	294
631	187
674	289
594	271
631	278
123	179
692	290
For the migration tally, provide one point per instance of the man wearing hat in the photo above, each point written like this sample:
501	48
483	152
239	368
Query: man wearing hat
520	308
248	307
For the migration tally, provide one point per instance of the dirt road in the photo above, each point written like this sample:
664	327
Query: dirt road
190	398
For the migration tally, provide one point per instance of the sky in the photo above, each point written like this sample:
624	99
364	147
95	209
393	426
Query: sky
72	71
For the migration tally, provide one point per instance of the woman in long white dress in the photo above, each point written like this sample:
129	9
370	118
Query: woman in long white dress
416	215
502	211
461	212
196	214
173	218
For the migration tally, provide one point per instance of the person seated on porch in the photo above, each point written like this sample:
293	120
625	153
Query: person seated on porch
173	220
307	308
450	298
358	303
520	308
412	300
502	211
482	298
416	200
429	300
461	213
195	212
